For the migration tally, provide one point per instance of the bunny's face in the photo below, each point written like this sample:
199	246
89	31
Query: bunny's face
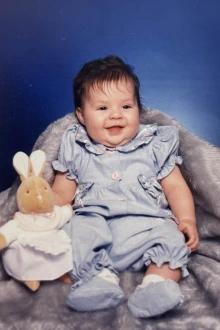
35	196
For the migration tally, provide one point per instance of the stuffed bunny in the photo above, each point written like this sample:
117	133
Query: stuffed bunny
36	249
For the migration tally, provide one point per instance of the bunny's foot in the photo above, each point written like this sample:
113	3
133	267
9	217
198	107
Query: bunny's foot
33	285
66	278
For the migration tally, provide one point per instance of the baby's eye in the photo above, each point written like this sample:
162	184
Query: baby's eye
103	108
126	106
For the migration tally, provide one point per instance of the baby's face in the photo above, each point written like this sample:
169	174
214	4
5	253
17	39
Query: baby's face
110	114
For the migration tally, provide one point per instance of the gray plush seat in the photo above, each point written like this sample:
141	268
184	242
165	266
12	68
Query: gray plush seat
46	309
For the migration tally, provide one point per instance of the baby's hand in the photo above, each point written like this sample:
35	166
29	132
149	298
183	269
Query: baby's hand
188	228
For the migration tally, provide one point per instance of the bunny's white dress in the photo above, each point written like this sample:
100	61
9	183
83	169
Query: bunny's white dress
38	249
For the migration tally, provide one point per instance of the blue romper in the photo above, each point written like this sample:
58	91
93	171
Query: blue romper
122	219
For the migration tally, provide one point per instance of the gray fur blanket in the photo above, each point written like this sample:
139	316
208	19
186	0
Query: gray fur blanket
46	308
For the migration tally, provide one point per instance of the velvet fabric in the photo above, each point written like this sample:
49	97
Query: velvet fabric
46	308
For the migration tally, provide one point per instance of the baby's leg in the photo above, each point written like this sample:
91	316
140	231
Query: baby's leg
95	282
164	271
159	291
158	245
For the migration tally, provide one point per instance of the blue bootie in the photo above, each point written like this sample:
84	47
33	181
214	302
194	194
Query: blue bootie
95	295
155	299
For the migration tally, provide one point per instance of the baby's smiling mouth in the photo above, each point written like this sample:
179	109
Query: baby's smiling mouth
115	129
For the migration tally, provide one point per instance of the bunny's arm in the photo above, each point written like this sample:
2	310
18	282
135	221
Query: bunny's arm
8	233
66	213
3	242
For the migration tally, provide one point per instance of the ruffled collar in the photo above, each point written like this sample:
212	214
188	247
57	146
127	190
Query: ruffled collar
144	136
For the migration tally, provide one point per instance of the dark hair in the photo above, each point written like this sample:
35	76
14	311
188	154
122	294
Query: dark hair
96	72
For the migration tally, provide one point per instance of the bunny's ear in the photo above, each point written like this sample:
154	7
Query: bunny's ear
21	164
38	160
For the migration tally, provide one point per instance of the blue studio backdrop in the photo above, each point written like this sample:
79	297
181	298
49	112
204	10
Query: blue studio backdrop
173	45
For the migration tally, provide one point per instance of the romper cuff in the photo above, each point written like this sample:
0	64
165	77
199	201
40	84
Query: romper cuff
173	264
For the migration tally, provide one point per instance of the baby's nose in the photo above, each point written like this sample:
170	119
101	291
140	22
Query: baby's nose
116	114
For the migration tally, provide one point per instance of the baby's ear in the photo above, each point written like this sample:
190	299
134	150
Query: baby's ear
80	115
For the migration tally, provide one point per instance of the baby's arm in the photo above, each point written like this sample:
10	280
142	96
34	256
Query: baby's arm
181	202
64	189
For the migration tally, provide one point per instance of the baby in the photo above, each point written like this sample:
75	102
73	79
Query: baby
132	205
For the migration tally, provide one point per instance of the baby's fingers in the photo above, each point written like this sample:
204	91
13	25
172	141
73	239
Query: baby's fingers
191	235
193	242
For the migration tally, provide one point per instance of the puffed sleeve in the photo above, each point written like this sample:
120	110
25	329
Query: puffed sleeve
165	150
68	156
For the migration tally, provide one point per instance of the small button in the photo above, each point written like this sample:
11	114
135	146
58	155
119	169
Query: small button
115	175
